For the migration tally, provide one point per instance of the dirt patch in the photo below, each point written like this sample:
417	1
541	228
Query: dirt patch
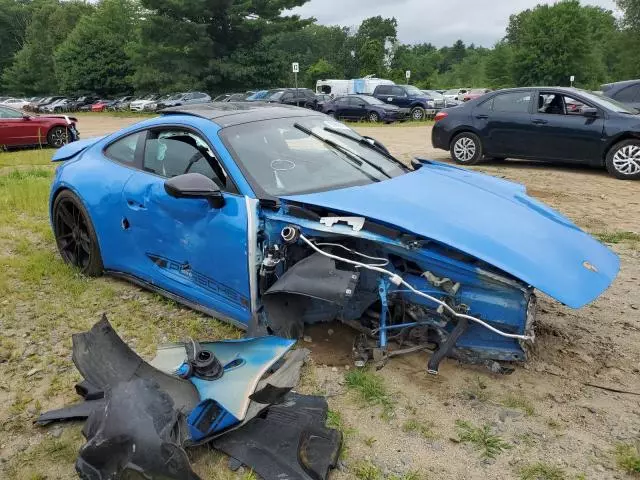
549	411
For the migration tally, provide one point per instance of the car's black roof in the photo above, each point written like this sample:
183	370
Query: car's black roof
227	114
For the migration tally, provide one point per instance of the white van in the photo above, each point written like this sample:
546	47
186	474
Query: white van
332	87
364	85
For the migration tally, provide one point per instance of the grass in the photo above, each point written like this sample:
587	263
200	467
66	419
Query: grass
618	237
424	429
628	458
542	471
43	302
519	402
371	389
482	438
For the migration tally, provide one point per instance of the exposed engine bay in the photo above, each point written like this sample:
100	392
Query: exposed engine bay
400	292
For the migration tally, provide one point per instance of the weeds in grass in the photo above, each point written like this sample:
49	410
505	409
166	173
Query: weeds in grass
519	402
618	237
628	457
370	441
412	475
424	429
542	471
367	471
482	438
476	390
371	389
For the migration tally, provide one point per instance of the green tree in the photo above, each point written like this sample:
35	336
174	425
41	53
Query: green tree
33	69
499	67
319	71
211	44
92	58
553	42
14	19
371	58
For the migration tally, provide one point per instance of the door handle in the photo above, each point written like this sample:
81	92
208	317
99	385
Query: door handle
539	121
482	117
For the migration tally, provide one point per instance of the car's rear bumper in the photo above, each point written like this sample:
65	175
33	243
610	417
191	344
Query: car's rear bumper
439	137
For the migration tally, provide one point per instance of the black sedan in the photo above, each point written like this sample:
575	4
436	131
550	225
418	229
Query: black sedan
540	123
364	107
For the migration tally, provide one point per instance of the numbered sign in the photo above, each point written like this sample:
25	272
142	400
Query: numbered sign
408	74
295	66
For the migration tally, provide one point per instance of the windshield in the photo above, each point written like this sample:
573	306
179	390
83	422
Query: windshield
608	103
433	94
411	90
451	92
477	91
372	100
280	158
177	96
275	95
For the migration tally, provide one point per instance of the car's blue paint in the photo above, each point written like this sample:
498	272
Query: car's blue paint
71	149
488	218
233	389
503	241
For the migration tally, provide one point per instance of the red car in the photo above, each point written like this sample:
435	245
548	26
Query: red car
101	105
19	129
475	93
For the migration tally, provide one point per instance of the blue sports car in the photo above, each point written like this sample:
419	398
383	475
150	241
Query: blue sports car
272	217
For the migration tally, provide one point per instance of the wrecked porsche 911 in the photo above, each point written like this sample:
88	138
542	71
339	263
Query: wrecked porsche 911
273	217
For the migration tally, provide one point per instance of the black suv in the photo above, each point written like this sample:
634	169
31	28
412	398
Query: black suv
301	97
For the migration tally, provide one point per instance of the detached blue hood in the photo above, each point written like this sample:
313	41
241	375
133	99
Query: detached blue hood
491	219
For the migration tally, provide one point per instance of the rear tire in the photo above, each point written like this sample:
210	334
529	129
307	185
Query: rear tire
466	148
75	236
417	113
623	160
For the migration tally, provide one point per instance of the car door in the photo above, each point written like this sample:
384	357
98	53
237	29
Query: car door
357	108
504	123
399	97
186	246
17	129
565	133
342	107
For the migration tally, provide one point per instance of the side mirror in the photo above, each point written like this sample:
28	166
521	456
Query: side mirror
194	185
590	112
26	116
361	105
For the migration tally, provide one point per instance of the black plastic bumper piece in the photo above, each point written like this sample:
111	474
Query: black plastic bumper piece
290	441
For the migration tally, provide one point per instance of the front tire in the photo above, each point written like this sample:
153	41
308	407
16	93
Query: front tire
75	236
466	149
623	160
417	113
58	137
373	117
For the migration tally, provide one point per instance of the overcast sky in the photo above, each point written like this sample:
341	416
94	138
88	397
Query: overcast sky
440	22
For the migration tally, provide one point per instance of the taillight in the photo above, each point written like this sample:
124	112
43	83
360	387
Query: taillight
440	116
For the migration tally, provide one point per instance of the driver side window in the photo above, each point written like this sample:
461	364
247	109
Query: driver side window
170	153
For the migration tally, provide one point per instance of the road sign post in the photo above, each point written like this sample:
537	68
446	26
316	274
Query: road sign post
295	66
572	78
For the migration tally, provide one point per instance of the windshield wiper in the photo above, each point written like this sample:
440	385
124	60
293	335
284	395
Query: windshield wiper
355	158
363	141
345	150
